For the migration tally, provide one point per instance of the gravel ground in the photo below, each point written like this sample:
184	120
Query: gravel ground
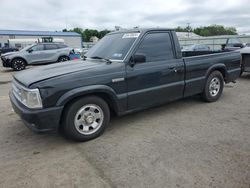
187	143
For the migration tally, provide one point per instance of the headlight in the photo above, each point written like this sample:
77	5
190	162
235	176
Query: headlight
29	97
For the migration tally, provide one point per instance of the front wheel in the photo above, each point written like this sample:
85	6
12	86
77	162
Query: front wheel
86	118
213	87
18	64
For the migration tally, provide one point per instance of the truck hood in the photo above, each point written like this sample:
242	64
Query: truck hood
28	77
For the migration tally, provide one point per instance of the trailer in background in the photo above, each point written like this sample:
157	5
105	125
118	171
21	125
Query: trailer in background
21	43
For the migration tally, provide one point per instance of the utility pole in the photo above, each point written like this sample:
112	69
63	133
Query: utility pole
188	27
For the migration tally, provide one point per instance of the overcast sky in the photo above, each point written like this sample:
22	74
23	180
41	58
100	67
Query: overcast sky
101	14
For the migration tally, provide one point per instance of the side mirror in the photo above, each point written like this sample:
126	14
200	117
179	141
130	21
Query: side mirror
30	50
137	58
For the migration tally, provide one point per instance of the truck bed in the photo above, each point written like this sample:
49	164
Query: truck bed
197	68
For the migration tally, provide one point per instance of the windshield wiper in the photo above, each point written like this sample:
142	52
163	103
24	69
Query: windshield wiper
102	58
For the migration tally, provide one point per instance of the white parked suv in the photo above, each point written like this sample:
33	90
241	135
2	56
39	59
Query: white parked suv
40	53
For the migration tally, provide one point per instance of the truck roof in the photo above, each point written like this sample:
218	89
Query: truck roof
141	30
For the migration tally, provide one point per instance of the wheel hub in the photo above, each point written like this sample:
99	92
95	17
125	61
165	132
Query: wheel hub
88	119
214	86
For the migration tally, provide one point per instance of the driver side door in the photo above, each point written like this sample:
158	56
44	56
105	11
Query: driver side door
35	54
160	78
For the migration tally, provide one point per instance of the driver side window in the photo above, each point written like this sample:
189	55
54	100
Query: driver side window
156	47
38	47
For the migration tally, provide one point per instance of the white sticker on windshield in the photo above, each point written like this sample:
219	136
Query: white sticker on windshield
117	55
130	35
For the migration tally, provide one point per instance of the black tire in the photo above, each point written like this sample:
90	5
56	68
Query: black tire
76	132
213	87
18	64
63	58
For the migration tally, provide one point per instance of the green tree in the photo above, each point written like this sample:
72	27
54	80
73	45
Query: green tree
212	30
183	29
215	30
88	33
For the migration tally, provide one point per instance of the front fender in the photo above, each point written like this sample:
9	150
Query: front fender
18	57
70	95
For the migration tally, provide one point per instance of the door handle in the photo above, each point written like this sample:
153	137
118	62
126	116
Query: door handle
171	68
174	69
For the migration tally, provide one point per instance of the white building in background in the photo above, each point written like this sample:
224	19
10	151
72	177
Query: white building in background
72	39
186	35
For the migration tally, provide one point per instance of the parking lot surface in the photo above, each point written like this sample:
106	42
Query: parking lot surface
188	143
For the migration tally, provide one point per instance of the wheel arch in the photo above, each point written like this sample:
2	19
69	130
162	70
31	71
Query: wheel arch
19	57
104	92
218	67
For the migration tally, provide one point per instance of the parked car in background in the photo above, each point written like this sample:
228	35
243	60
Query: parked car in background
124	72
196	47
6	50
40	53
245	53
233	44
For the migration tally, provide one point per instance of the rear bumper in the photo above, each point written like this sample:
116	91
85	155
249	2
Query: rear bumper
42	120
6	62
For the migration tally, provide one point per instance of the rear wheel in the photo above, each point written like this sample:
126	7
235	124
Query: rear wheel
18	64
214	87
63	58
86	118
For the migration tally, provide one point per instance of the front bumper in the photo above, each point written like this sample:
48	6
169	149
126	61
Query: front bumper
6	62
42	120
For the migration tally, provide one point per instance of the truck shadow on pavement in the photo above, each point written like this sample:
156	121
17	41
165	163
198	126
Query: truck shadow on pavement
155	112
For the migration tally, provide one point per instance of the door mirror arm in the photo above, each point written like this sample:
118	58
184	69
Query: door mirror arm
137	58
132	62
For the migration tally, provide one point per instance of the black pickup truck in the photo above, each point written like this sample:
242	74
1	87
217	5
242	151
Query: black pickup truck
124	72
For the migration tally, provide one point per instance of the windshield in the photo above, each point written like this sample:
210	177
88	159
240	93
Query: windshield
113	46
27	47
